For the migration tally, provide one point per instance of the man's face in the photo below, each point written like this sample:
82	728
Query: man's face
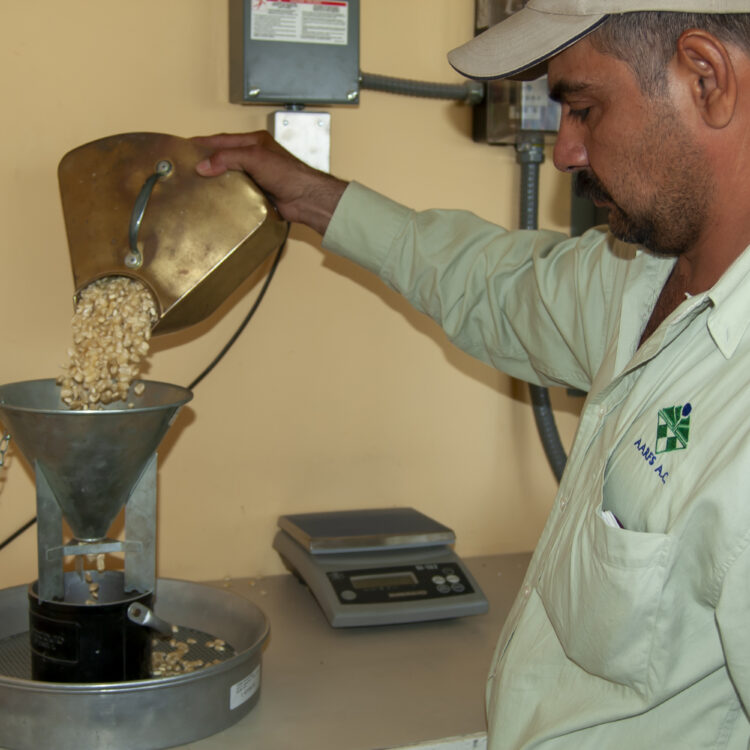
629	153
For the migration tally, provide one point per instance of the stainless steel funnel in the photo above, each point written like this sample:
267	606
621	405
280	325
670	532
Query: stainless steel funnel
90	459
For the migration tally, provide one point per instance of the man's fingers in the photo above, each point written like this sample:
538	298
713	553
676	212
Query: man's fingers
299	192
246	159
230	140
210	167
241	151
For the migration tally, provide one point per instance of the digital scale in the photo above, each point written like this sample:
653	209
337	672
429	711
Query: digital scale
377	567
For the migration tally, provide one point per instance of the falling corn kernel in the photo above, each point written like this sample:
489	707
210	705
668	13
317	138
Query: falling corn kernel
111	332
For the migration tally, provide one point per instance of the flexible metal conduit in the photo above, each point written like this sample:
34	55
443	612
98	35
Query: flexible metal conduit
530	155
470	92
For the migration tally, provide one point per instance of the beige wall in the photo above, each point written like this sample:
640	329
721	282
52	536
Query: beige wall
337	395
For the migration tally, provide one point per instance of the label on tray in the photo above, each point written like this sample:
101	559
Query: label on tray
242	691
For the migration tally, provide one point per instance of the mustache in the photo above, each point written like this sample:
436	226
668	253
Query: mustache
587	185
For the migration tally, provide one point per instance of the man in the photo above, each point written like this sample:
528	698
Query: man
632	628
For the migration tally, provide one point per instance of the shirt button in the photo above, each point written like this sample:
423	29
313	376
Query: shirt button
526	591
563	503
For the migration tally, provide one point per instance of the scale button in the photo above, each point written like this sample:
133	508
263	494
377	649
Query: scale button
349	595
444	588
452	578
438	580
459	588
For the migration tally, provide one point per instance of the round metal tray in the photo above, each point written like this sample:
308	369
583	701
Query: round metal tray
144	714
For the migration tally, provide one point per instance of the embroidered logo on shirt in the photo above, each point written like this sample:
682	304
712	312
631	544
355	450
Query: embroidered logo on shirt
650	458
673	429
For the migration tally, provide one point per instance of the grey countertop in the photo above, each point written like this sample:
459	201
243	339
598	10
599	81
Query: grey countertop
371	687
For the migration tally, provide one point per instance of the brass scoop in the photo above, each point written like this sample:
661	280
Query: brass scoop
134	206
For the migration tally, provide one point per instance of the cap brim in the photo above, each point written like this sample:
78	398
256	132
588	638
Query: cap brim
519	46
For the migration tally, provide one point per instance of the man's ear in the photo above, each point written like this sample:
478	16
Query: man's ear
704	62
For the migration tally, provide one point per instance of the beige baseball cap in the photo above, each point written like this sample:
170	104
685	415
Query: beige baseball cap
519	45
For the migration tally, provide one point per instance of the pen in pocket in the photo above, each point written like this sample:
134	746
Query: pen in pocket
610	519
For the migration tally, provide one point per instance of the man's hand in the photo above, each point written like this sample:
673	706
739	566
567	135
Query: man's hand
300	193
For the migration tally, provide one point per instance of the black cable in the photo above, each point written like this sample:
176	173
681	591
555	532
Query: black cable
211	364
249	315
17	532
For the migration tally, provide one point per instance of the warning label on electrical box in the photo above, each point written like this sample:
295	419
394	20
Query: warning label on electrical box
305	21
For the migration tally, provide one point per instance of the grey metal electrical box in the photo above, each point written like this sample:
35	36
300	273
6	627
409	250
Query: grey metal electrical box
513	107
294	52
510	108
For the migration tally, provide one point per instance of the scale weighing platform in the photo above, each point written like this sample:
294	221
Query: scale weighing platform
377	567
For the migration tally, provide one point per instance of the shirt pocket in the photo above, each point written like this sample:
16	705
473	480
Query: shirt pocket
602	589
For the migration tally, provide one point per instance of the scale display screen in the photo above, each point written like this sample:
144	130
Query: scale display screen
383	580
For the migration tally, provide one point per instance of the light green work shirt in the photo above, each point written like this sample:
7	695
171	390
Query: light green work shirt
632	628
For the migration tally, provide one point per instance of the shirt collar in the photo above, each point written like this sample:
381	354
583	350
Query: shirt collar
730	296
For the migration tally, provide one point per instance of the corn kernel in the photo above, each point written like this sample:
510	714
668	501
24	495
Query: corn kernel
111	333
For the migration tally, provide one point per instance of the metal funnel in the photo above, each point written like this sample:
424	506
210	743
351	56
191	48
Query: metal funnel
91	459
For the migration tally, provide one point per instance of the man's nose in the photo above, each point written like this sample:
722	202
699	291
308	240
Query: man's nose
570	152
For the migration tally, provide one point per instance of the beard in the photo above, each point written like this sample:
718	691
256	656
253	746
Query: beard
638	229
668	215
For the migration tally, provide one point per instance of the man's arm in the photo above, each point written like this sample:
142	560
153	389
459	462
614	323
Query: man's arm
519	301
299	192
533	304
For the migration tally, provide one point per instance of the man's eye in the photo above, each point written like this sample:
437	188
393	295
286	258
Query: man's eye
579	114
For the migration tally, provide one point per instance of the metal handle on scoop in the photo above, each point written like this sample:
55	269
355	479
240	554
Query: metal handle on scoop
134	259
142	615
4	445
